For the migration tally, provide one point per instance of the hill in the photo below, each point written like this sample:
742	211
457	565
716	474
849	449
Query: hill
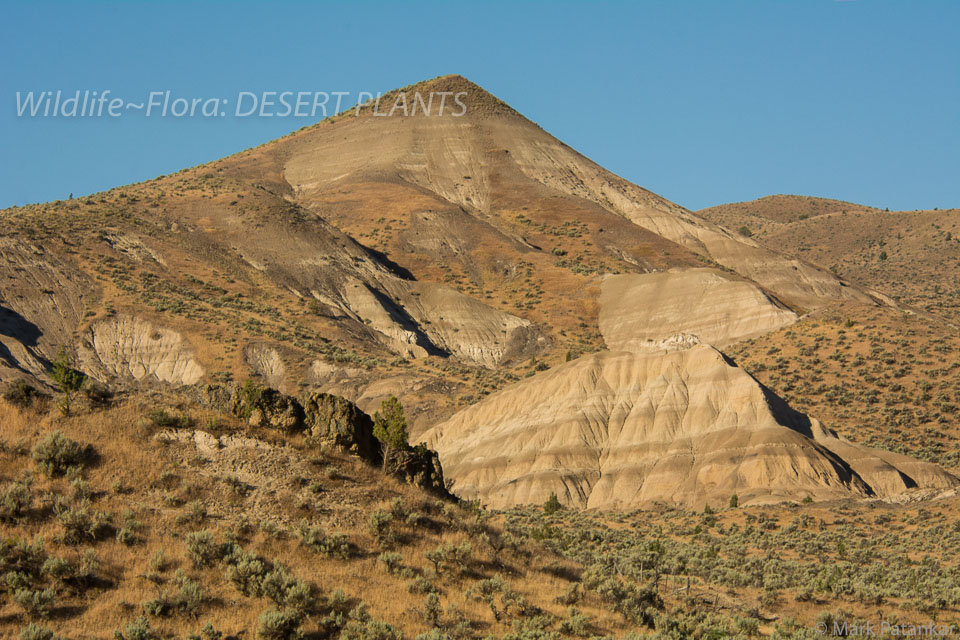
912	256
189	365
437	258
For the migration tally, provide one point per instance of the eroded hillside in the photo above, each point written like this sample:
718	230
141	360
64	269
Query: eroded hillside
442	260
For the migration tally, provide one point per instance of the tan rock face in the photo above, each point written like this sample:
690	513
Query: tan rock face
130	347
719	309
266	362
41	301
618	429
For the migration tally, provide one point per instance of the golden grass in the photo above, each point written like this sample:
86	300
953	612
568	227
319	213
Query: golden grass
130	458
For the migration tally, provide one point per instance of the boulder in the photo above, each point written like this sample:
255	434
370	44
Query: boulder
217	396
420	467
336	421
266	407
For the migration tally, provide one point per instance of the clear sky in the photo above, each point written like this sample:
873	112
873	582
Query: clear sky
703	102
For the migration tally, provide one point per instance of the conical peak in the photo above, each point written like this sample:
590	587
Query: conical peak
456	95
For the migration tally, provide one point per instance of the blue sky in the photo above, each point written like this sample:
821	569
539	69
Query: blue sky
702	102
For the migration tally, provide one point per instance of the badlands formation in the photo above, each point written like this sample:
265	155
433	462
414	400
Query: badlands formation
620	429
448	260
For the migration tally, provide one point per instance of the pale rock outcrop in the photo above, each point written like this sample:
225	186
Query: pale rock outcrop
465	327
323	371
383	315
266	362
130	347
416	319
133	247
41	302
720	309
621	429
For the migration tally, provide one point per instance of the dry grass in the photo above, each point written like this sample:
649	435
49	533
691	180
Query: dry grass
876	375
160	483
912	256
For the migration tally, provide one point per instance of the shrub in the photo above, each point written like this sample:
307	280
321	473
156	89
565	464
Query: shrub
195	514
422	584
163	420
281	587
139	629
300	597
577	624
398	510
361	626
21	393
634	603
35	603
98	395
202	549
379	526
80	525
56	454
77	575
33	632
127	534
15	500
249	397
432	610
571	596
747	626
392	561
277	624
247	572
390	428
447	558
207	633
67	378
157	608
191	598
159	561
499	596
334	545
57	568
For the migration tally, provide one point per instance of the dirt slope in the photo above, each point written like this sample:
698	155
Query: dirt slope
913	256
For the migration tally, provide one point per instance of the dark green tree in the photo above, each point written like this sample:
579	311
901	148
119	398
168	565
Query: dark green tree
67	378
552	505
390	428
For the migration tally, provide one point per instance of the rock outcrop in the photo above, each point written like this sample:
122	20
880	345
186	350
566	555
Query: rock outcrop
267	407
266	362
420	467
717	308
326	419
620	430
338	422
128	347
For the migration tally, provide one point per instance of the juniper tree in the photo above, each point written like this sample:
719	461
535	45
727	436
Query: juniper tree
390	428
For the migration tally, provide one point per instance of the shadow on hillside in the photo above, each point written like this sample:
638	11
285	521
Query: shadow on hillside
15	326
